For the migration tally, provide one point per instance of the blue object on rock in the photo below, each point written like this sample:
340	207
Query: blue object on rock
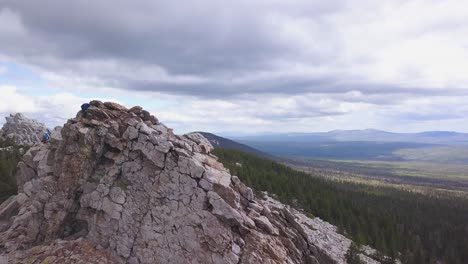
85	106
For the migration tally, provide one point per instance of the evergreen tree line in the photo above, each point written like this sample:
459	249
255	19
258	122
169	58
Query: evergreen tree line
410	226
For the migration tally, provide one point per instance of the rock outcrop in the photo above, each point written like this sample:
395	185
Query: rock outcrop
20	130
117	186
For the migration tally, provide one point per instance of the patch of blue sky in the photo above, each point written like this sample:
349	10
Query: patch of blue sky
23	78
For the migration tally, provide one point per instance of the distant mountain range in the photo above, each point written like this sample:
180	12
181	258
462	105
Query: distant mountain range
368	144
429	137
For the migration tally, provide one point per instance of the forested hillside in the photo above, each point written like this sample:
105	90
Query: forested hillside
414	227
221	142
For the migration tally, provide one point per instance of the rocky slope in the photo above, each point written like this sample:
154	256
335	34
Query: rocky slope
117	186
20	130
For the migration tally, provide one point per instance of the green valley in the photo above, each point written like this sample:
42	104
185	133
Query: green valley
382	216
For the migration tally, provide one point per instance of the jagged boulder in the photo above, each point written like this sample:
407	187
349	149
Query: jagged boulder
117	186
20	130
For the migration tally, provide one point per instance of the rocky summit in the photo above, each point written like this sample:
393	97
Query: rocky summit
20	130
115	185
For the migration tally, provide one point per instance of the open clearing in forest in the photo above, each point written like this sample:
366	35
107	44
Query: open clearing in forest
436	175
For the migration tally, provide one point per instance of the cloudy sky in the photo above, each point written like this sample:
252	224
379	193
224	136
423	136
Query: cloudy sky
241	66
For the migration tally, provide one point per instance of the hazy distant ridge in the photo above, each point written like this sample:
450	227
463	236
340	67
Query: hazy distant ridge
429	137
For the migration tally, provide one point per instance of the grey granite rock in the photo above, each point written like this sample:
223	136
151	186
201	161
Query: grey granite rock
20	130
117	186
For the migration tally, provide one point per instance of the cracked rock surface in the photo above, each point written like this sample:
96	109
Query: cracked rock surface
117	186
20	130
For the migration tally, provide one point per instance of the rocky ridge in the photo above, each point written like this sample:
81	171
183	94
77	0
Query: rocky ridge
20	130
117	186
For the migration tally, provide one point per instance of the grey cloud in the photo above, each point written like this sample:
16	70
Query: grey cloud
212	44
415	116
182	37
297	115
207	39
372	92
